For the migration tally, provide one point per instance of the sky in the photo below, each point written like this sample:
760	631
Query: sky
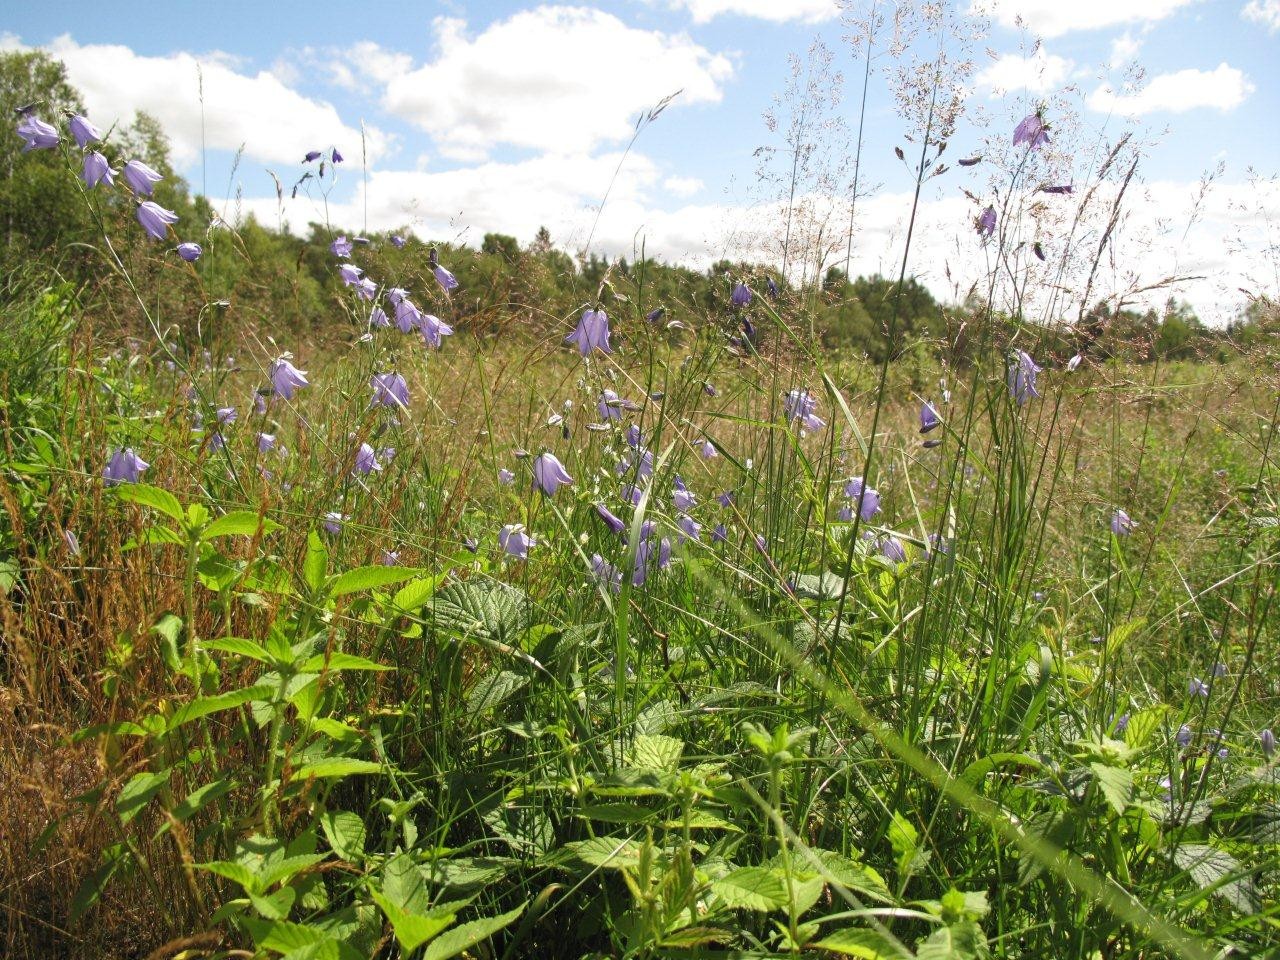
459	119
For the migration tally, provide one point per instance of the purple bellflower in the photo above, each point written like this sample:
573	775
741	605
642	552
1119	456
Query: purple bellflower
970	161
366	288
1032	130
741	295
312	156
378	318
550	474
772	288
515	541
611	520
366	460
1268	741
592	333
140	177
37	134
96	170
866	498
398	241
506	477
389	390
341	246
433	329
286	378
1060	188
84	132
1022	377
125	466
408	316
447	280
987	222
801	405
891	549
1122	524
707	449
606	572
266	442
720	534
929	417
333	521
690	529
1184	736
1197	688
155	219
656	314
190	252
335	156
349	273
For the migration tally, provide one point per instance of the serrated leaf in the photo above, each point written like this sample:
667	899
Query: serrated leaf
235	872
137	793
610	852
467	935
415	593
752	888
196	800
336	767
1116	784
1120	635
368	578
412	930
1211	867
145	495
865	944
655	752
959	941
491	610
493	690
346	834
315	563
334	662
239	646
203	706
239	523
853	875
616	813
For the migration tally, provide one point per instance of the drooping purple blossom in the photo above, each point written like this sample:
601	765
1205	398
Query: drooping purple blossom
96	170
83	131
690	529
772	287
610	405
549	474
266	442
1058	188
506	477
125	466
389	390
1074	362
398	241
892	549
72	541
378	318
929	417
433	329
1022	377
606	572
38	134
741	295
341	246
389	558
448	282
987	222
1268	742
515	541
286	378
1184	736
1038	251
366	460
720	534
650	557
633	437
335	156
155	219
1031	130
190	251
333	521
611	520
707	449
591	333
312	155
408	316
970	161
140	177
1122	524
656	314
349	273
1197	688
801	405
366	288
865	498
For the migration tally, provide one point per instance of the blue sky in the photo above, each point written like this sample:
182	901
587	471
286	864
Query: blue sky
504	116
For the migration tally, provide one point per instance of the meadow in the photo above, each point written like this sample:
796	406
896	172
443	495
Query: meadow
658	629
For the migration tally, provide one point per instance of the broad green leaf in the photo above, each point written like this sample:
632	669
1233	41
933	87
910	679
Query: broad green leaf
656	752
752	888
111	859
137	793
865	944
235	872
1212	868
274	906
851	874
403	884
315	563
154	534
288	868
491	691
609	852
412	929
239	523
616	813
203	706
1116	784
196	799
367	578
239	646
415	593
345	832
146	495
1120	635
168	628
341	661
336	767
469	934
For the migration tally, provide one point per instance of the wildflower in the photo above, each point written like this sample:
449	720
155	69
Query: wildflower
389	558
648	556
771	287
72	541
1268	740
891	548
349	273
378	318
37	134
970	161
1022	377
506	477
1060	189
929	417
1121	725
725	499
433	329
333	522
1032	131
190	252
708	449
1038	251
606	572
683	500
407	315
1074	363
611	520
395	295
1219	671
389	390
335	156
741	295
987	222
286	378
155	219
610	405
266	442
690	529
387	454
1197	688
446	279
709	389
125	466
654	315
550	474
471	543
800	405
341	247
632	493
367	460
720	534
312	155
227	415
591	333
633	437
140	177
83	131
515	541
1122	524
398	241
366	289
259	402
1184	736
866	498
96	170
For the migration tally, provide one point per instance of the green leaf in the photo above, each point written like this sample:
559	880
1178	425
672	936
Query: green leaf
137	793
196	799
609	852
111	860
616	813
1120	635
1221	873
752	888
146	495
239	523
492	691
865	944
415	593
959	941
154	534
852	875
1116	784
168	628
469	934
235	872
203	706
288	868
315	563
412	929
489	610
341	661
346	834
368	578
656	752
239	646
336	767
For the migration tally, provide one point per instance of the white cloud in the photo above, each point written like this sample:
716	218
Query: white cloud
682	186
1052	18
1038	73
1223	88
275	123
1265	12
551	78
1124	48
778	11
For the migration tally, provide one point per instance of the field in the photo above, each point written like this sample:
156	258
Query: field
655	622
